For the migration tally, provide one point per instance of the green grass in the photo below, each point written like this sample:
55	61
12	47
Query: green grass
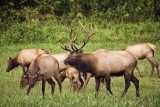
113	38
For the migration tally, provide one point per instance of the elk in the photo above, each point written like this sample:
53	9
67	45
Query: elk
62	67
24	59
103	64
142	51
75	78
44	68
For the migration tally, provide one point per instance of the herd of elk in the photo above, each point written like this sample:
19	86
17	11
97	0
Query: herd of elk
62	67
101	64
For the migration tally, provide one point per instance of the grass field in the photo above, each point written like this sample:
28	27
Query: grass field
114	37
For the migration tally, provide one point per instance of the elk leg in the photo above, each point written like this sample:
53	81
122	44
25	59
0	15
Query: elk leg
63	76
52	83
108	81
71	83
127	84
43	86
23	68
29	88
88	76
139	71
81	81
58	79
102	80
97	79
154	63
135	81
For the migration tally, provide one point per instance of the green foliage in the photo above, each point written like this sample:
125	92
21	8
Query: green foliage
117	10
52	32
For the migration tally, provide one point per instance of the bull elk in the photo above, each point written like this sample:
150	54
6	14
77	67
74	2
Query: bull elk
142	51
103	64
44	68
24	59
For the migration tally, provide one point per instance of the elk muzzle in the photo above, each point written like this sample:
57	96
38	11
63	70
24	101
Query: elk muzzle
32	81
24	82
8	69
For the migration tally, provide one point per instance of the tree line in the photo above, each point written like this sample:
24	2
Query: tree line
120	10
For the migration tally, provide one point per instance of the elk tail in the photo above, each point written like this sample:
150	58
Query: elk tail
153	47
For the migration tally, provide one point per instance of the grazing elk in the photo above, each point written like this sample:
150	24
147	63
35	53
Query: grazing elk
62	67
75	78
24	59
103	64
44	68
142	51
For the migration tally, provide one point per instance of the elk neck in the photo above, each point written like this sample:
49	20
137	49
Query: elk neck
86	63
15	61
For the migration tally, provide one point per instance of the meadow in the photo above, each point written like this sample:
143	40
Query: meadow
111	36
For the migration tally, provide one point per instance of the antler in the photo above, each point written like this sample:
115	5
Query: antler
88	36
70	47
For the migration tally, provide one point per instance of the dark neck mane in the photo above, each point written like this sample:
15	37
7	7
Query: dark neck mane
15	61
86	64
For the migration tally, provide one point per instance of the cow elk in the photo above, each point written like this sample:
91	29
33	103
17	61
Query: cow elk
24	59
76	80
62	67
103	64
142	51
44	68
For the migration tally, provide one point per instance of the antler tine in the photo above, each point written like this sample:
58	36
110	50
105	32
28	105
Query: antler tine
85	41
88	36
84	28
65	47
73	40
71	34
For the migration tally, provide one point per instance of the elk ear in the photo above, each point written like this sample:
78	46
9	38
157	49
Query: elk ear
10	58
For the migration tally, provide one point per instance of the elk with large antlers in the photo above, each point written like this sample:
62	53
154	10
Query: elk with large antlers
103	64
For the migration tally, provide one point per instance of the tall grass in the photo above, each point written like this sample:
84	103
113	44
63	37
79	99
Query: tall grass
110	36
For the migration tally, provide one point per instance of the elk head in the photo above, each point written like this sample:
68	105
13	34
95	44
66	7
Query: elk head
24	80
33	76
76	53
10	64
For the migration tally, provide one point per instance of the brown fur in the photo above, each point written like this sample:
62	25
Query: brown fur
142	51
74	77
103	64
44	68
24	59
62	67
